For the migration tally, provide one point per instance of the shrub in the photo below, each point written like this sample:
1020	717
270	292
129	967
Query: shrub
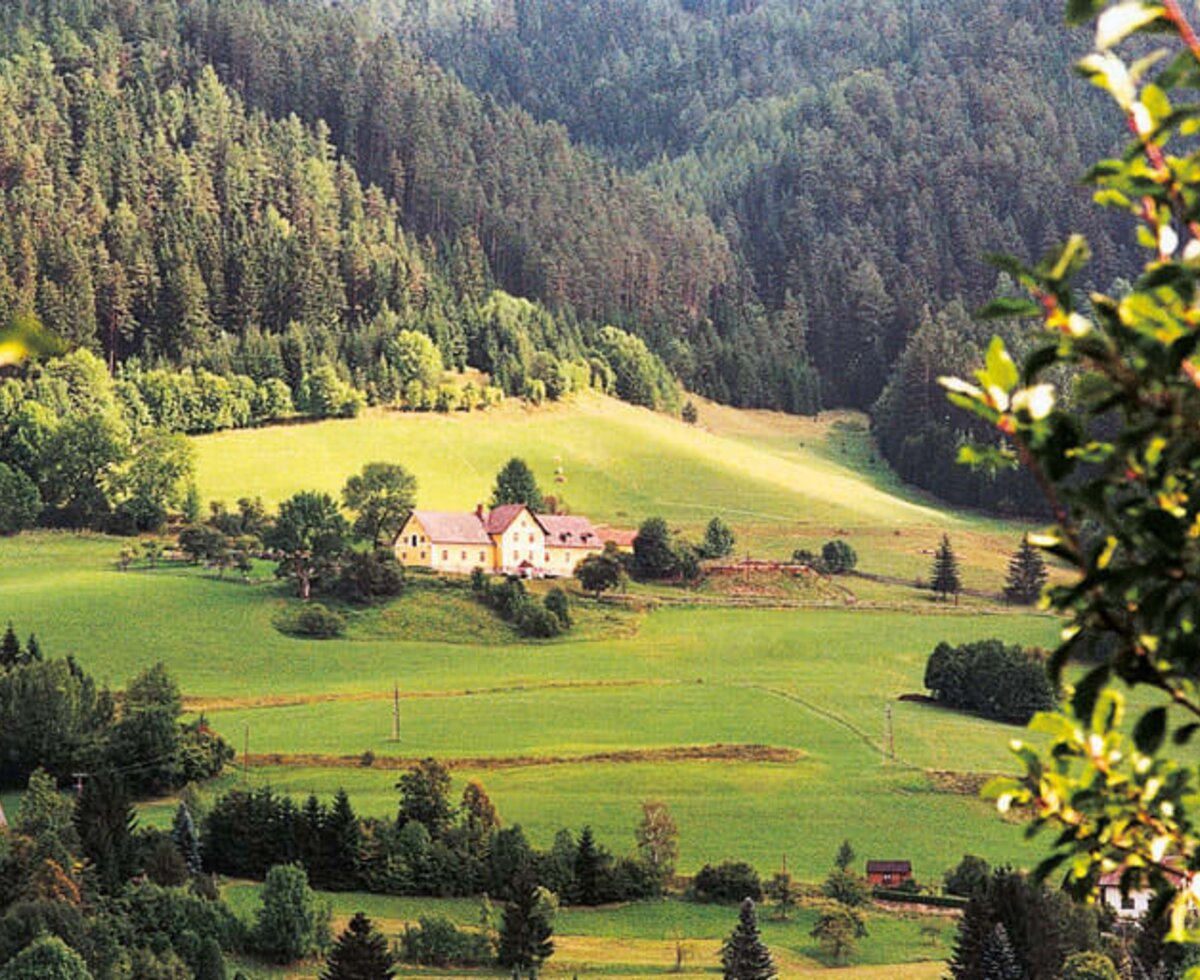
316	622
559	604
969	878
802	556
838	556
368	576
732	882
436	941
846	887
1005	683
292	921
20	502
1089	966
536	621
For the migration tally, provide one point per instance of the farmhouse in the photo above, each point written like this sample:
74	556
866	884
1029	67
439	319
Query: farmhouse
510	539
1137	902
888	874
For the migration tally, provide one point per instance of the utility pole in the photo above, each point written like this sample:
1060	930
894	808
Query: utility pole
889	735
396	712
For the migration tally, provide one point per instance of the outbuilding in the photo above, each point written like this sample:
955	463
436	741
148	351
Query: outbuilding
889	874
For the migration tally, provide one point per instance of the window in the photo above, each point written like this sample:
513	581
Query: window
404	556
531	539
464	556
482	557
414	540
445	555
422	556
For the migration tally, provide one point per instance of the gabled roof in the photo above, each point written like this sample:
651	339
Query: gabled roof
621	538
569	532
1113	878
444	527
497	521
889	867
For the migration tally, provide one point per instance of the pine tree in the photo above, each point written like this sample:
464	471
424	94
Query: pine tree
342	837
744	955
999	960
1026	575
105	821
527	930
360	953
10	648
187	840
945	580
516	484
33	650
587	868
845	856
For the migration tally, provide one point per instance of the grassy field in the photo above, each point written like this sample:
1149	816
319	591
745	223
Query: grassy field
639	939
784	482
760	727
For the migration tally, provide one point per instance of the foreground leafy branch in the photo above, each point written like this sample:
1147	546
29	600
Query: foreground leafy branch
1105	413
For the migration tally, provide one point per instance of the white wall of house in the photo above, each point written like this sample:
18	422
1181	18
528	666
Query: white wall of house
1132	906
523	540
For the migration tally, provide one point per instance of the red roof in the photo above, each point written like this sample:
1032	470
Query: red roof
619	537
497	521
449	528
1113	878
569	532
889	867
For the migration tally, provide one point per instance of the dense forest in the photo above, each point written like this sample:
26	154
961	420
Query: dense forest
788	204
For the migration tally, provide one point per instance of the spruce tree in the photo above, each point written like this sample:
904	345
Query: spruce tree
360	953
105	821
845	856
10	648
515	484
342	841
187	840
1026	575
999	960
588	859
33	650
945	580
527	930
744	955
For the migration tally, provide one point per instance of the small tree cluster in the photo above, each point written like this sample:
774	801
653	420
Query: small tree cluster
836	558
991	678
513	603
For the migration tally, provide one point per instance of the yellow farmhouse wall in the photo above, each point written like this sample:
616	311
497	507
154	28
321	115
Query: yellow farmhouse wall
415	550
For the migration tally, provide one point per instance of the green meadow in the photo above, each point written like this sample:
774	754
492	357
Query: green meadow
762	728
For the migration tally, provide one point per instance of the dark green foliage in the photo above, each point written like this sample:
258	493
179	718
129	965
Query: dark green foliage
1042	927
718	540
744	956
310	533
515	484
10	648
999	961
844	858
360	953
590	862
838	557
838	929
847	888
292	921
969	877
640	377
161	861
212	962
537	621
425	797
436	941
20	502
689	413
1026	575
104	822
527	930
381	495
989	678
315	621
729	882
654	550
599	573
558	603
202	543
944	578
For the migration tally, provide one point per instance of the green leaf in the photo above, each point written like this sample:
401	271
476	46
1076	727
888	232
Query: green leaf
1081	11
1184	734
1001	370
1004	307
1150	730
1083	703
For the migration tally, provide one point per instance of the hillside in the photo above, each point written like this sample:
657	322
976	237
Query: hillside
783	482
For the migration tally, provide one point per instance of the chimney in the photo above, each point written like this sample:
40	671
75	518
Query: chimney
479	511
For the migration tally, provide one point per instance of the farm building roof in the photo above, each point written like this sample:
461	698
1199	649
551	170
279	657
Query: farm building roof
498	520
889	867
569	532
621	538
1113	878
450	528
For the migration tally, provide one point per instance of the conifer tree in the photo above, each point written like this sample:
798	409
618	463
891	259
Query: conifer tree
516	484
999	960
360	953
33	650
10	648
342	836
744	956
105	821
212	962
945	580
1026	575
527	929
845	856
588	859
187	840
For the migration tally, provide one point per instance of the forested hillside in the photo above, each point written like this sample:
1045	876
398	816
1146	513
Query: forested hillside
784	201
